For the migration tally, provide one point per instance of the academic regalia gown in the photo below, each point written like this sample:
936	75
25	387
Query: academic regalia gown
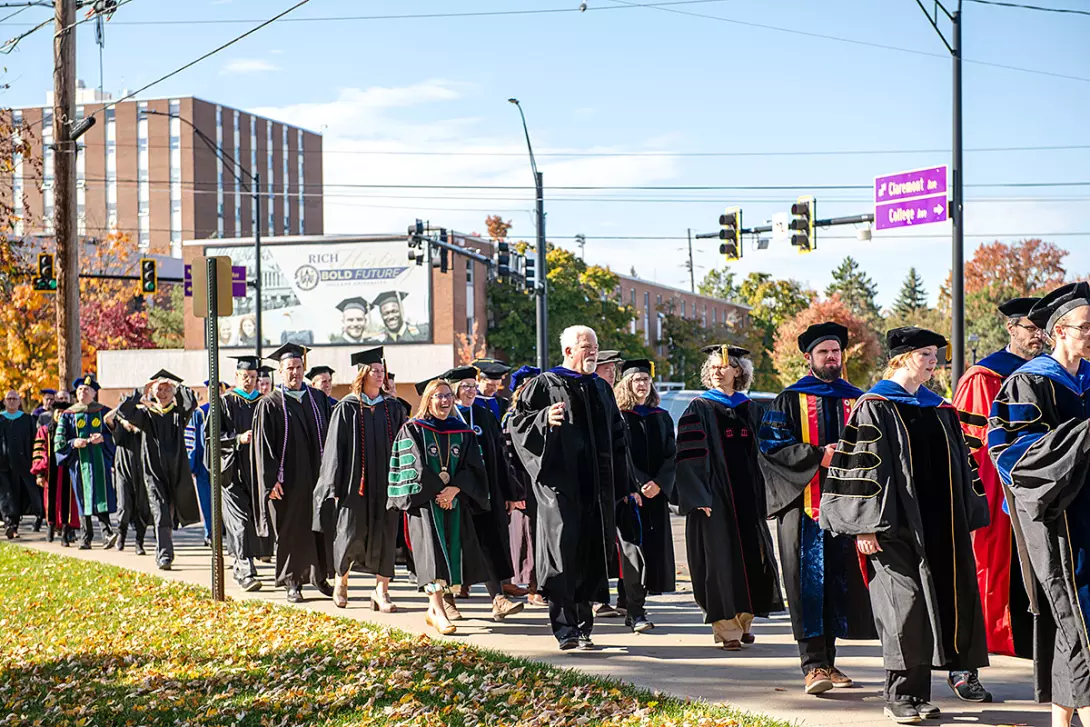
492	524
132	494
294	459
240	494
58	497
196	447
826	593
523	523
1039	439
356	471
653	450
902	470
1007	620
90	469
444	542
731	559
498	405
165	462
575	469
19	494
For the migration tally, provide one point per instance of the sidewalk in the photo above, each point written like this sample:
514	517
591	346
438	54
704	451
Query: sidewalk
677	657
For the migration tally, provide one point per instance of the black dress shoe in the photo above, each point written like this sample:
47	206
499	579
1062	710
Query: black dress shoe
294	595
926	709
902	712
84	546
140	549
49	537
164	565
324	588
38	525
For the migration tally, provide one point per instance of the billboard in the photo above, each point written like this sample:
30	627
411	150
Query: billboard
331	294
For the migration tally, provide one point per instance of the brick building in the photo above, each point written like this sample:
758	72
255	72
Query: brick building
153	177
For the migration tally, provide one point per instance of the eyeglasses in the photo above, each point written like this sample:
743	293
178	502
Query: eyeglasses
444	397
1083	328
1031	329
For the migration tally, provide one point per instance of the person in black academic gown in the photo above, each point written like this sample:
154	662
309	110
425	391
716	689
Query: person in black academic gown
523	522
354	476
653	451
721	494
19	495
826	593
321	378
239	493
902	484
264	379
570	436
492	524
1039	439
133	508
437	477
163	417
290	427
490	383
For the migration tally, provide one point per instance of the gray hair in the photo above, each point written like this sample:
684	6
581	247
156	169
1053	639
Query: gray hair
571	334
742	381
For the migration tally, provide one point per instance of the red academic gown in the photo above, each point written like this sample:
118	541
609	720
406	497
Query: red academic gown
58	496
993	545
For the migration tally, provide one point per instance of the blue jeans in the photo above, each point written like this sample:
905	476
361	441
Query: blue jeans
204	499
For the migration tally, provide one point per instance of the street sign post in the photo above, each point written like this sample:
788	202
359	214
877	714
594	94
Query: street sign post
915	197
223	290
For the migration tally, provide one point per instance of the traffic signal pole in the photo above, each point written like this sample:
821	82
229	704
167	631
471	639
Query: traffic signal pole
64	191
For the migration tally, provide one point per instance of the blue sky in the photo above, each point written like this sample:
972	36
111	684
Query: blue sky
655	84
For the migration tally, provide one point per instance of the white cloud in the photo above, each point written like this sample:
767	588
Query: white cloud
360	122
248	65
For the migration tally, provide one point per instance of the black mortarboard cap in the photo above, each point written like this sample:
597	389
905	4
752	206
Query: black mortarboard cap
1017	307
1059	302
85	380
460	373
609	356
911	338
368	357
821	332
288	350
397	295
264	371
246	363
637	366
315	370
491	368
59	405
47	391
421	385
355	302
164	374
223	384
725	350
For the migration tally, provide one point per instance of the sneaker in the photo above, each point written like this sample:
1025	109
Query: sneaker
451	610
641	624
968	687
164	565
748	638
818	681
585	644
84	546
568	644
902	712
294	595
502	607
249	584
926	709
839	679
111	541
140	549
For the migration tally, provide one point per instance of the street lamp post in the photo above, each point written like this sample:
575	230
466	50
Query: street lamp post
542	270
255	212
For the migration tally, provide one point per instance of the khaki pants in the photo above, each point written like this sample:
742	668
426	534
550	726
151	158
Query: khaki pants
732	629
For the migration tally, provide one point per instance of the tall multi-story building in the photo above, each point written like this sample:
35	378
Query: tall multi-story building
143	172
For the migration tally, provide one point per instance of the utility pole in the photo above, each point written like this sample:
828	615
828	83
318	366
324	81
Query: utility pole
692	272
64	191
256	211
542	268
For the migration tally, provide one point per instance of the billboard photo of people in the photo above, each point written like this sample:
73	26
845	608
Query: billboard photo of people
332	294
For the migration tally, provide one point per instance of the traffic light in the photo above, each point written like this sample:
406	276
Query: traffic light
416	232
730	232
503	260
803	214
149	276
444	254
46	282
530	279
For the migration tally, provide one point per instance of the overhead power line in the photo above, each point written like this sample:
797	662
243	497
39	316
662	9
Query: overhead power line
1031	7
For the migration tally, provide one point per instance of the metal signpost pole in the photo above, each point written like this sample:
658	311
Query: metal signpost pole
213	425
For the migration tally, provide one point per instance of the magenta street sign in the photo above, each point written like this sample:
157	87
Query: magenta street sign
908	212
905	185
238	281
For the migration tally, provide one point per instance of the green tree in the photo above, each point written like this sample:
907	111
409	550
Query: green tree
578	294
719	283
682	339
913	295
166	319
772	301
855	289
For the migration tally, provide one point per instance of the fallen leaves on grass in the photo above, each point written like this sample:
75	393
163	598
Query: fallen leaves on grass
86	644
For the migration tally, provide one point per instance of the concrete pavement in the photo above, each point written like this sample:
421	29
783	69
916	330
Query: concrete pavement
678	656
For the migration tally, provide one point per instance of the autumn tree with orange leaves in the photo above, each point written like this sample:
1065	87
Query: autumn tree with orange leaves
862	358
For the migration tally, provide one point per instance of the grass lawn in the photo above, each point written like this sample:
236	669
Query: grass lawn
84	644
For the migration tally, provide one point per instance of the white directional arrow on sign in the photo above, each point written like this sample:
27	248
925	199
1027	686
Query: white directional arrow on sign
938	209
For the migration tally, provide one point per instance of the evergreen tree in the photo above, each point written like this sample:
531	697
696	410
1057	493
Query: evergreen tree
913	296
855	288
